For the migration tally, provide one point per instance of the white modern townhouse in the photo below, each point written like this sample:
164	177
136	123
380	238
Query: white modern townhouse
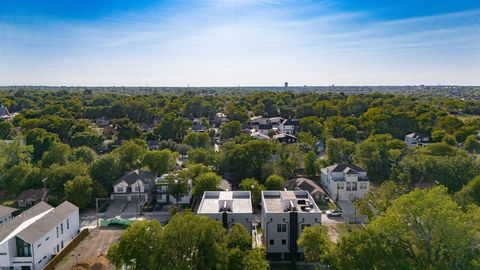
284	215
228	207
345	182
31	239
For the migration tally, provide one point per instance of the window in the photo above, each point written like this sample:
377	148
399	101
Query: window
281	227
363	185
354	186
61	227
119	189
57	231
340	186
24	249
58	248
136	188
61	244
47	239
349	186
272	242
3	253
39	245
284	241
68	224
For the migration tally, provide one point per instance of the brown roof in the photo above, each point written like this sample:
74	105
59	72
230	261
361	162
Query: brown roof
308	185
32	194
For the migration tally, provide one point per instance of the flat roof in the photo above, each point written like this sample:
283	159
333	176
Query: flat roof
276	201
230	201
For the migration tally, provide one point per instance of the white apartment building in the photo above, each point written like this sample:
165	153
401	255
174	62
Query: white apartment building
30	240
345	182
284	215
228	207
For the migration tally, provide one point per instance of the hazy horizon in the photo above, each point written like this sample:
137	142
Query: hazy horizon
227	43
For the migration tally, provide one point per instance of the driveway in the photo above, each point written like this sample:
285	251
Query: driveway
331	224
349	211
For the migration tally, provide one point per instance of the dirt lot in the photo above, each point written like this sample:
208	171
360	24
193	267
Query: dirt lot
96	243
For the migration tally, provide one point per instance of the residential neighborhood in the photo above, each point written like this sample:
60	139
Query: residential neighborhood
286	185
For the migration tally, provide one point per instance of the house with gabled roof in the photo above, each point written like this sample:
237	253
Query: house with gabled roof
33	238
345	181
417	139
31	197
4	113
309	185
137	183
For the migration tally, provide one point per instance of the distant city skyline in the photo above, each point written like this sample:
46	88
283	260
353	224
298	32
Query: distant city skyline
239	42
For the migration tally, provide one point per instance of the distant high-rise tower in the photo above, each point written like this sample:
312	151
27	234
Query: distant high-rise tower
286	84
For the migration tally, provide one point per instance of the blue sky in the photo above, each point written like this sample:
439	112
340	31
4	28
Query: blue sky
239	42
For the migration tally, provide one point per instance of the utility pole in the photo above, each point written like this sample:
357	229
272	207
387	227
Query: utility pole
44	180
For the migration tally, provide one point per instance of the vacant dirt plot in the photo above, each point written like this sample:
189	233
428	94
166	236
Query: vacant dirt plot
91	250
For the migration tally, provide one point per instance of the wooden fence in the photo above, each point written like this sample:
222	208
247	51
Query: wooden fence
64	252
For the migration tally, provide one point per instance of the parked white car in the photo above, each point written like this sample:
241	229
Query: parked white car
333	213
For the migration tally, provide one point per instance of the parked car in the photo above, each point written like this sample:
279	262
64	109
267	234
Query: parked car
334	213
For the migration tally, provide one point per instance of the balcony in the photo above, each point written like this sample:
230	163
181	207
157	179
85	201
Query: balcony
18	260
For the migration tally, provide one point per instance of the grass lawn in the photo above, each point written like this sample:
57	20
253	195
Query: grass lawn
9	200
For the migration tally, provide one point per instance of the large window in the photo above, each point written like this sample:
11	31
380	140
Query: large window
281	227
24	249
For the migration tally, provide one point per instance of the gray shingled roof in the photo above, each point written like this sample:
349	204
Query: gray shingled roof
133	176
32	194
18	220
4	111
39	228
5	210
342	167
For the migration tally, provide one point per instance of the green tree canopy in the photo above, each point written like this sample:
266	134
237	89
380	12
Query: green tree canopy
160	161
208	181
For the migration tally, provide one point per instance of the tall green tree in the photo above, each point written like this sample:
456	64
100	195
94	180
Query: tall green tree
79	191
316	244
208	181
137	245
339	151
6	130
255	188
275	182
178	185
230	130
160	161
